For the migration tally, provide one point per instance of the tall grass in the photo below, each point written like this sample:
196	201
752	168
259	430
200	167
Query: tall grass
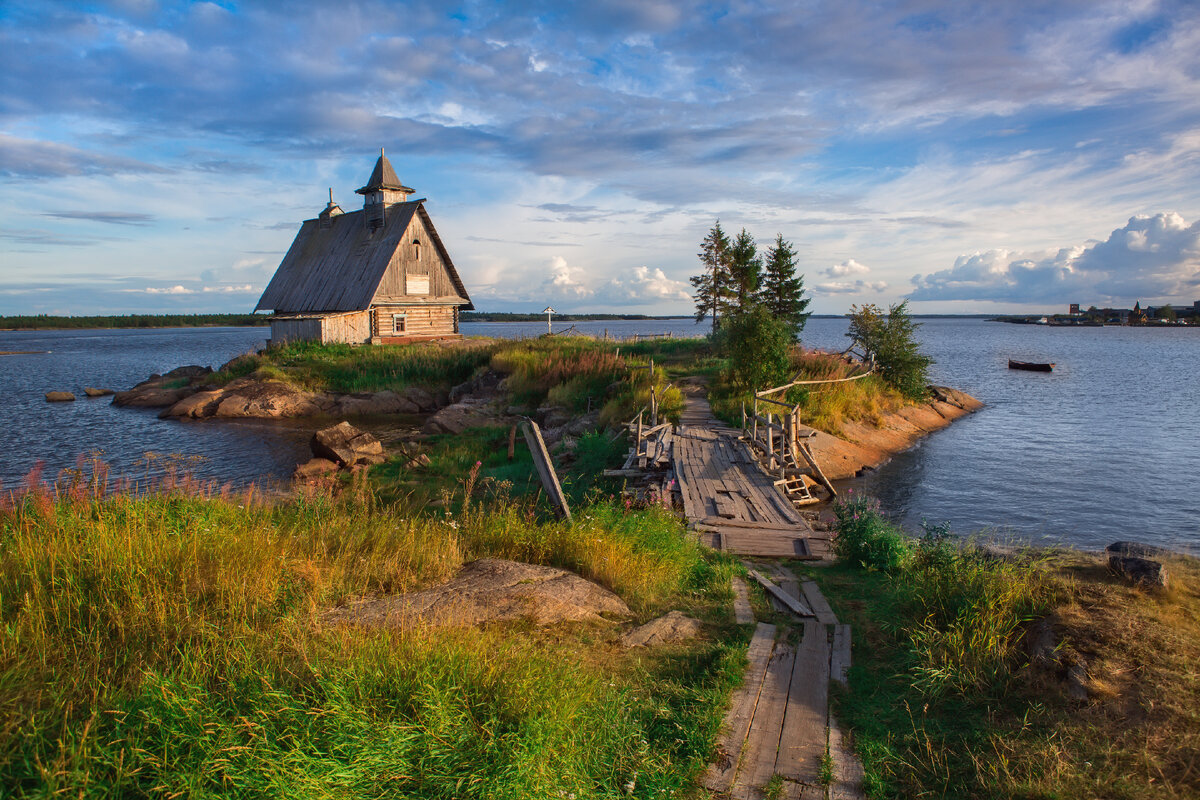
962	608
170	645
826	407
345	369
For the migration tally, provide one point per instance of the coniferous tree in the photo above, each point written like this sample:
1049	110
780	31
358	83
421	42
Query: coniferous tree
745	270
713	284
782	289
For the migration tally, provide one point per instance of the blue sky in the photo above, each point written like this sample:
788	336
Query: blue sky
969	156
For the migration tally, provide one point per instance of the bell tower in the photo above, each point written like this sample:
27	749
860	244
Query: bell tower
382	190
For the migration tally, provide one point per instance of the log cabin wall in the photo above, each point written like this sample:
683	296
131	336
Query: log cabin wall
418	320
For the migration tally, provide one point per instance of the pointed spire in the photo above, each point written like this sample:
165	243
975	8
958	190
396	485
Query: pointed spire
384	177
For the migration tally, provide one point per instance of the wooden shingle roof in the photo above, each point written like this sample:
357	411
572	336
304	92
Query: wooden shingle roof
383	177
339	268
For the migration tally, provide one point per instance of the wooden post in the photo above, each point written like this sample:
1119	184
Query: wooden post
512	443
637	440
755	436
743	417
653	407
770	444
545	468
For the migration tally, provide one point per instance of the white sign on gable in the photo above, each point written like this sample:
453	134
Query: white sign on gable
416	284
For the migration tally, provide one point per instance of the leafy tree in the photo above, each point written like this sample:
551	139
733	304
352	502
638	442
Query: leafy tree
745	270
759	347
1167	313
889	342
713	284
783	290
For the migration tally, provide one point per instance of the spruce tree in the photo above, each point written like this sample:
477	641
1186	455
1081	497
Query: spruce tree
713	284
783	290
745	270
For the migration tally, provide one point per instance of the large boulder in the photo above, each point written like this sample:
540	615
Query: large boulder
247	397
314	469
422	399
196	406
1136	549
59	397
347	445
161	391
1141	571
386	402
460	416
490	590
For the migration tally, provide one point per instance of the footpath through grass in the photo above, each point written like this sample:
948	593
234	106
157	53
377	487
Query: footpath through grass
172	646
943	701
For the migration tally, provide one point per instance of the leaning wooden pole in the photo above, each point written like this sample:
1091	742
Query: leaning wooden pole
545	468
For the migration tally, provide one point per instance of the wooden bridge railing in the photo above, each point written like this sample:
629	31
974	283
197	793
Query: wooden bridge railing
773	427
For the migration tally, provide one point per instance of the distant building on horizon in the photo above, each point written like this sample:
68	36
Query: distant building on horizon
380	275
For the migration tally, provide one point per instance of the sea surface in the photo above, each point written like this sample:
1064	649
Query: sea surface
1106	447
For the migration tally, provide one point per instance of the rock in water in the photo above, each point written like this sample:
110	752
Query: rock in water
1141	571
91	391
346	445
1135	549
59	397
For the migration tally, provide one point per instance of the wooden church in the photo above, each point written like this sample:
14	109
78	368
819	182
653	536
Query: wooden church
380	275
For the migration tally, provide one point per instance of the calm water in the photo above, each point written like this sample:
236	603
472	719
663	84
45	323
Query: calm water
1105	447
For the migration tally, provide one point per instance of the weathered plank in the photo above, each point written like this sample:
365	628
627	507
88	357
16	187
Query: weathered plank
736	727
839	657
545	468
817	602
847	769
762	744
803	736
743	614
793	604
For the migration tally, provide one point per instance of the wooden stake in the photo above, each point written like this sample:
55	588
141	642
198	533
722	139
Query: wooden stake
545	468
512	443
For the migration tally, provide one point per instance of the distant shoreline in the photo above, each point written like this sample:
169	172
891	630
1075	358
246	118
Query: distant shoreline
165	321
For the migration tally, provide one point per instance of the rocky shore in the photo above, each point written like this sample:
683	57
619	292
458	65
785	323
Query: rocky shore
859	445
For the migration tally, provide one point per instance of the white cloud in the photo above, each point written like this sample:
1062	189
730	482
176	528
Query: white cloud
848	267
850	287
643	285
1156	257
176	289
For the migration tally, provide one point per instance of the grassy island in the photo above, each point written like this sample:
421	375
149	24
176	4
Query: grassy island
176	643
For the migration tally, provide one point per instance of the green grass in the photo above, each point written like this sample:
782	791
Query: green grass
170	645
942	703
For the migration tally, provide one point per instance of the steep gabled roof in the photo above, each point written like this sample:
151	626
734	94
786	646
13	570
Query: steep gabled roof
383	177
339	268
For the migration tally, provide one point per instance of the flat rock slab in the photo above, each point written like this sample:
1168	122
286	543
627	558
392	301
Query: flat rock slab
489	590
59	397
672	627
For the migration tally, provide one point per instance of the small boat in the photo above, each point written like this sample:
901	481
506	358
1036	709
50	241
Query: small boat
1030	365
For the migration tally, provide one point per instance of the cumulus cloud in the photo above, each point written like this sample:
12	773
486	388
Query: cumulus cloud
848	267
1149	257
643	285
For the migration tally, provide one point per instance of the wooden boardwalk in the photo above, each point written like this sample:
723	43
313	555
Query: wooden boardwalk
728	498
779	726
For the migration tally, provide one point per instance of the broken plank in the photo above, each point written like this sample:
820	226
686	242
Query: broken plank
545	468
818	603
847	769
802	739
736	727
794	605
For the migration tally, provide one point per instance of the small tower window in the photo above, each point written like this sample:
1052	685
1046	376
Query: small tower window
417	249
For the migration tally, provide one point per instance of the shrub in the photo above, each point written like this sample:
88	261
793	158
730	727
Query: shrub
865	537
